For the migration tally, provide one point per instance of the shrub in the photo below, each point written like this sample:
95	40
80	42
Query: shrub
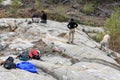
98	37
49	1
113	25
1	1
16	3
11	11
81	1
60	18
38	4
89	8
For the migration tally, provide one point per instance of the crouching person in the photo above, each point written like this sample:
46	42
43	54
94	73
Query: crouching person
35	17
105	43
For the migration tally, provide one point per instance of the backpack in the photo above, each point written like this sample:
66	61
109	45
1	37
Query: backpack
34	54
9	63
24	56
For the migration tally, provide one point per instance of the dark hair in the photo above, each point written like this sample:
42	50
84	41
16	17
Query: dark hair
42	11
71	19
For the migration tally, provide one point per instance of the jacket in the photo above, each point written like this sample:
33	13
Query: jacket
72	25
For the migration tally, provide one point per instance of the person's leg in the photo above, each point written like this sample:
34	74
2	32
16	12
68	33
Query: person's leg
72	36
43	21
101	45
37	20
107	47
69	39
32	20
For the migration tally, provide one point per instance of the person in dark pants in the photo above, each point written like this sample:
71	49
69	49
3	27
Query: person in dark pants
35	18
43	17
71	25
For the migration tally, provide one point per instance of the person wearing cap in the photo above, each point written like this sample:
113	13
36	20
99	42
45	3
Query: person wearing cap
71	26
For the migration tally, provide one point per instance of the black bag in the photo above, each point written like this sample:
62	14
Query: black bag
36	57
9	63
11	59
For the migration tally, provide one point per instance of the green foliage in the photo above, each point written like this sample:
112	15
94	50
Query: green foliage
12	11
1	1
112	24
81	1
89	8
98	37
38	4
90	23
49	1
60	9
87	1
1	54
61	18
16	3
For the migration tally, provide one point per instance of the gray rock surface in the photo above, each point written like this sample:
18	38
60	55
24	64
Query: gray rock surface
61	61
79	71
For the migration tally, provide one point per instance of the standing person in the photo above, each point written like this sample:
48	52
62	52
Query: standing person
43	17
105	42
71	25
35	17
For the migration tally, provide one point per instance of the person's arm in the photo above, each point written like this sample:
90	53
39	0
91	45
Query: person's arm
45	16
68	25
76	24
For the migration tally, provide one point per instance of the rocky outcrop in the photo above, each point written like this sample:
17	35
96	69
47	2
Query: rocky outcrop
79	71
61	61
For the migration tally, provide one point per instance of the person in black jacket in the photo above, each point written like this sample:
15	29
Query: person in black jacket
43	17
71	25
